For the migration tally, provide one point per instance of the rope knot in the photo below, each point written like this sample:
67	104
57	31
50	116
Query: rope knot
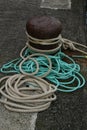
69	45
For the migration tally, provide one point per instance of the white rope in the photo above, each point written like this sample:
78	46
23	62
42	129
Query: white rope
16	96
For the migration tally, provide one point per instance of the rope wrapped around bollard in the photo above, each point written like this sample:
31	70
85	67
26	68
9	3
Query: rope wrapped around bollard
22	93
59	40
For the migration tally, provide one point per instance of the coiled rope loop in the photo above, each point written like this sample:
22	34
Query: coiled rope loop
72	46
43	41
23	93
55	41
41	64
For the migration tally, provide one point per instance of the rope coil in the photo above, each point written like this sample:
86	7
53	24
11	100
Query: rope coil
54	41
23	93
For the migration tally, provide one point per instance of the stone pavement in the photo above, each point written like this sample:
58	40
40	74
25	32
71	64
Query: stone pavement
69	111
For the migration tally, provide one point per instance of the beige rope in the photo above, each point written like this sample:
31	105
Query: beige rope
16	96
44	51
71	45
37	65
21	53
43	41
65	43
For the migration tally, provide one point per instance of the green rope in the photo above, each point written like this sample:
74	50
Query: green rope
65	75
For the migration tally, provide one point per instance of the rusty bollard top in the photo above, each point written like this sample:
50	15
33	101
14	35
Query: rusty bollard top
43	27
